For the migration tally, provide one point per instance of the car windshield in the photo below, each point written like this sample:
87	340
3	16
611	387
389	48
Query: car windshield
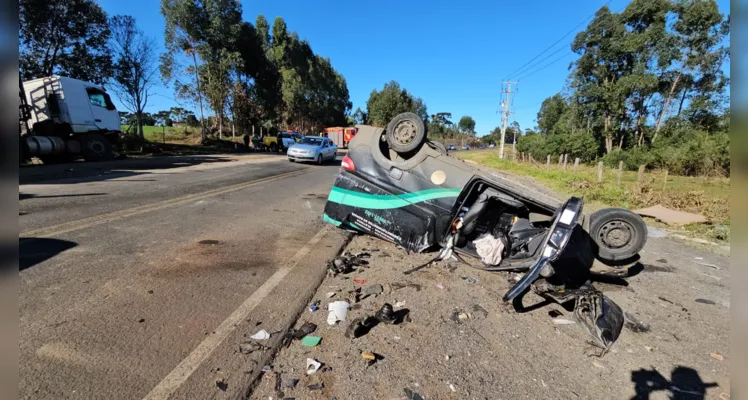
312	140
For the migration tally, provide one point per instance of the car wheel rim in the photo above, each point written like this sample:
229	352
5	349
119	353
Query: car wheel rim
616	234
405	132
96	147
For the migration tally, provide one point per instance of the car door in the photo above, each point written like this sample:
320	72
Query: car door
332	150
103	110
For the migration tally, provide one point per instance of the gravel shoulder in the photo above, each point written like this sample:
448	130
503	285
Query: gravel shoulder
461	342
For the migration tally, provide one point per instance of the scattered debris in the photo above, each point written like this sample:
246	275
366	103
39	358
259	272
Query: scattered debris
314	306
400	304
664	299
278	384
360	327
360	281
290	383
670	217
705	301
330	294
469	280
647	348
398	286
717	356
222	384
261	335
337	311
562	321
266	368
368	356
312	366
250	347
374	289
634	324
440	286
478	309
452	386
412	395
311	341
708	265
347	263
316	386
386	314
141	320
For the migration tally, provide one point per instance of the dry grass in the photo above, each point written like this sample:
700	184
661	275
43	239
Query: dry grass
706	196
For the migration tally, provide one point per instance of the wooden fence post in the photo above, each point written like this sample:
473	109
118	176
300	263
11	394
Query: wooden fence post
600	171
548	161
620	172
664	181
640	179
560	159
566	159
576	164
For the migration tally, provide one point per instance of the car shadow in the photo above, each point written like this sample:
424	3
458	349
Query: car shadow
685	383
32	251
24	196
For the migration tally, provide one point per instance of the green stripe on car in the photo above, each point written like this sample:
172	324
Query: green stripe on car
388	201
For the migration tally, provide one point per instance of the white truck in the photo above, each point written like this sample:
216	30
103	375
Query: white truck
64	118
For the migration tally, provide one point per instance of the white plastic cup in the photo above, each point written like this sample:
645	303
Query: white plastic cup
337	311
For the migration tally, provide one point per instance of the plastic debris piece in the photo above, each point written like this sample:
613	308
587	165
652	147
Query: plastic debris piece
562	321
372	289
440	286
312	366
469	280
634	324
314	306
452	386
290	383
400	304
717	356
267	368
311	341
360	281
386	314
368	356
261	335
330	294
337	311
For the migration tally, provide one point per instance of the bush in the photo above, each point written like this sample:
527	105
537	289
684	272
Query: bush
580	145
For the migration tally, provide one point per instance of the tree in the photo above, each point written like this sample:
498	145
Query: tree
206	31
551	111
360	116
66	38
467	125
384	105
163	118
134	66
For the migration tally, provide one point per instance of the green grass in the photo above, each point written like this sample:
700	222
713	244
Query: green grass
706	196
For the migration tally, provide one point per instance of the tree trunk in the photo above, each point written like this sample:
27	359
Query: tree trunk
200	97
682	99
220	126
608	137
139	122
665	107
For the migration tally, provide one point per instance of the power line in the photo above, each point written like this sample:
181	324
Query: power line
557	41
544	67
524	70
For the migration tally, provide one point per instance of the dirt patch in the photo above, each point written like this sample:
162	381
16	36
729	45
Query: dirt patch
460	341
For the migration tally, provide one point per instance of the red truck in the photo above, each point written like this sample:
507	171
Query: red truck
341	136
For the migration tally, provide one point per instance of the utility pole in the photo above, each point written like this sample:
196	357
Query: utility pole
505	104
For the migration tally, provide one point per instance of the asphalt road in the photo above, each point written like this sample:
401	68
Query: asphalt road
139	280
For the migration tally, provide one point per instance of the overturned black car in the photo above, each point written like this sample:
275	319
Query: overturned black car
397	185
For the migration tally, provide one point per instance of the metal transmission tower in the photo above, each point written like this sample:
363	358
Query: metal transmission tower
505	105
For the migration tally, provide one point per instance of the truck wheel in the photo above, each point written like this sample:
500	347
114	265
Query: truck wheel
619	233
273	147
405	132
96	148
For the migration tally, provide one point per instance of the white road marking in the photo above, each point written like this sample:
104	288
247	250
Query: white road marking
182	372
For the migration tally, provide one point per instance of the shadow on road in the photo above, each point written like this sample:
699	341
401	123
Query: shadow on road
78	172
685	383
32	251
24	196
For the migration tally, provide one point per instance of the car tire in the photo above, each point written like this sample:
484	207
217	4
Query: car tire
291	160
273	147
96	148
618	233
319	159
405	132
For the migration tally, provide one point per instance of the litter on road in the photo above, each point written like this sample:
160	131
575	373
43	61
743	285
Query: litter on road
311	341
312	366
261	335
337	311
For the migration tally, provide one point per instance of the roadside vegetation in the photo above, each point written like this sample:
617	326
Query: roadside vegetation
708	196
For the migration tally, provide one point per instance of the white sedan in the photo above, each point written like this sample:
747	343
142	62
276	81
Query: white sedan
313	148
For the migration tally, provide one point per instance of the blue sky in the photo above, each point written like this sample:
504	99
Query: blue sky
452	54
